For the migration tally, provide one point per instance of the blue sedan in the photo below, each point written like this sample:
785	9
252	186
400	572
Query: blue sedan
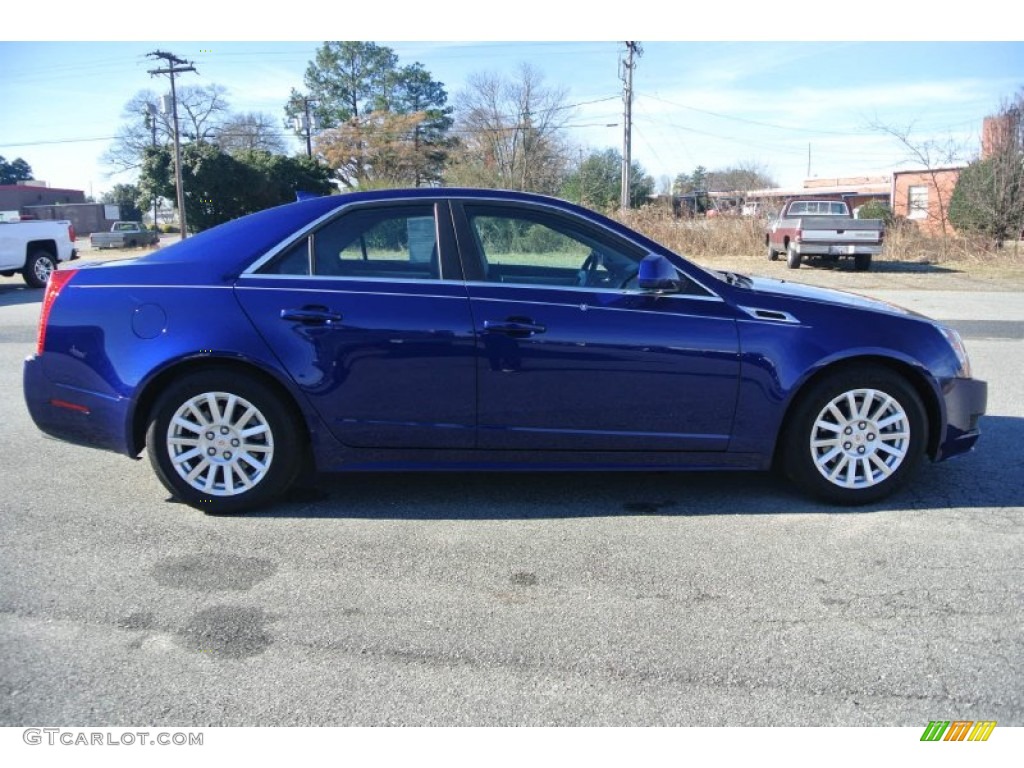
466	330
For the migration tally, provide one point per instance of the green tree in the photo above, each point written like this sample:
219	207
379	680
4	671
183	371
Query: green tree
127	197
14	172
220	187
597	181
989	195
358	90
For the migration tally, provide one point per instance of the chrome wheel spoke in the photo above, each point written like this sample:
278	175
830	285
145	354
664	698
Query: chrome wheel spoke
220	443
860	438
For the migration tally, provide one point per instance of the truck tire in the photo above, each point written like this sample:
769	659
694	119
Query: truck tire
38	268
862	262
773	255
793	258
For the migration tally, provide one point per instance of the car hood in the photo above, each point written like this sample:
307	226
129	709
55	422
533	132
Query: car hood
782	288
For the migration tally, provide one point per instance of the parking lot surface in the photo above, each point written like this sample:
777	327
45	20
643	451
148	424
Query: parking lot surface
522	599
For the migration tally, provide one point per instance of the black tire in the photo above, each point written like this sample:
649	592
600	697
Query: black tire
230	471
38	268
773	255
132	244
873	452
862	262
793	258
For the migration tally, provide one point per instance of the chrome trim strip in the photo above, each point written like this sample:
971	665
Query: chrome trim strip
584	307
358	293
582	289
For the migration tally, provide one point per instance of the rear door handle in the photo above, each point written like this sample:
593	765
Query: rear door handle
311	315
514	326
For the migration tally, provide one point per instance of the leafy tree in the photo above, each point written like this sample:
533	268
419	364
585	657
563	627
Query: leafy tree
741	178
989	194
220	187
14	172
597	182
359	91
379	149
511	133
127	198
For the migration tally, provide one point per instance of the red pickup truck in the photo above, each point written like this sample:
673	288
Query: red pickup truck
823	228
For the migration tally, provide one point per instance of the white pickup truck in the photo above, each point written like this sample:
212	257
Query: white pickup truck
35	249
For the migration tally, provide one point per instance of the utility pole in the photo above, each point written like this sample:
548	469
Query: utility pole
633	48
150	117
305	124
175	66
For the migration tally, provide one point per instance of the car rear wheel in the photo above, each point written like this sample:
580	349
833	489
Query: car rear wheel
38	268
773	255
223	442
856	436
792	258
862	262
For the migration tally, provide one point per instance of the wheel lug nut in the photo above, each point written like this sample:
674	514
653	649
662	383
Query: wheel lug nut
223	430
861	449
847	446
871	436
211	451
227	454
862	425
210	435
235	443
848	431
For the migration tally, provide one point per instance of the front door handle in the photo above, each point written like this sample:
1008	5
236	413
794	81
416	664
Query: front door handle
311	315
514	326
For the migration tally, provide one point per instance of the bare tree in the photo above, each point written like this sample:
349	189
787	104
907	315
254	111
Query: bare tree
512	132
250	131
933	156
200	108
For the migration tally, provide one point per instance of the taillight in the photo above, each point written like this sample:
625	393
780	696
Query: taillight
71	233
58	279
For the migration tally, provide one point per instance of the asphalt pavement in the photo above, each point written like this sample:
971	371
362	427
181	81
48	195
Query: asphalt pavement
535	599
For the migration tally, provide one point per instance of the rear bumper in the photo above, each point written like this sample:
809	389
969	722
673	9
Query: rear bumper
965	401
75	414
837	249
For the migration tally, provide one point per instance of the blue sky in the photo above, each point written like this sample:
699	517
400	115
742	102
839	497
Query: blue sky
698	102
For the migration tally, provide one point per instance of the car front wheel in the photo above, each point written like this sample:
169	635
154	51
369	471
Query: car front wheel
856	436
223	442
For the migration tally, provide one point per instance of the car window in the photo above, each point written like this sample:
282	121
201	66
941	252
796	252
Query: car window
534	248
384	242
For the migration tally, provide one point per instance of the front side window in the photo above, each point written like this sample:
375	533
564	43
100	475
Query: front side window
533	248
396	242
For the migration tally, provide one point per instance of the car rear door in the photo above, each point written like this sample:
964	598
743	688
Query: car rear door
369	315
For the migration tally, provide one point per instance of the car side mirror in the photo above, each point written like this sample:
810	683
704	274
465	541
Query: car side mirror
659	275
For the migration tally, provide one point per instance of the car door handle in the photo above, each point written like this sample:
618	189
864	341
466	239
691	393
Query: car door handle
311	315
514	326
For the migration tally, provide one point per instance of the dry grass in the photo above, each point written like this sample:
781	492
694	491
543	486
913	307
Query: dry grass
910	259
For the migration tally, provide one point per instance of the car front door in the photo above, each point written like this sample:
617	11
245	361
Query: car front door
573	356
369	315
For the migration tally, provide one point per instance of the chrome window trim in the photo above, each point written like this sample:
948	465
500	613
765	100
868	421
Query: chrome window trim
462	297
448	199
307	230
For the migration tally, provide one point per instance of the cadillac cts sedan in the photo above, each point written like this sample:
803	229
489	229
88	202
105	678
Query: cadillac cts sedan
468	330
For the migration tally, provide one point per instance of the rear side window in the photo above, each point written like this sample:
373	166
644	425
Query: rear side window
396	242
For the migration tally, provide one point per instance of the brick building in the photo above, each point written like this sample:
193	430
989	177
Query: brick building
923	196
